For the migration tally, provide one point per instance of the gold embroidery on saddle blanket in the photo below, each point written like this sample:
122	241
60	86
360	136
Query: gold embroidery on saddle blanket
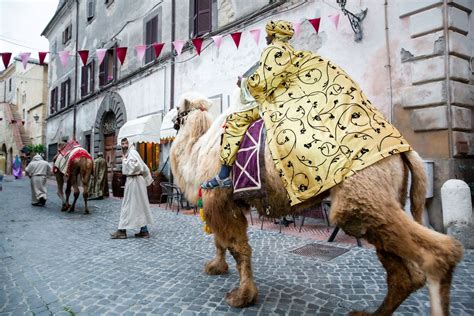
320	126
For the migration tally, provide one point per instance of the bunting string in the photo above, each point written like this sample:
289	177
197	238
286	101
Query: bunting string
177	45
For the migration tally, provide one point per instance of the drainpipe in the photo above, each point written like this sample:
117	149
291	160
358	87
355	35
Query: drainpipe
75	70
448	77
173	35
389	63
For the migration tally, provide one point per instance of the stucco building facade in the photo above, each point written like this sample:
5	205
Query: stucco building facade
413	61
23	107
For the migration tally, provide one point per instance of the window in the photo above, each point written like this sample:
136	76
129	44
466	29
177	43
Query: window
54	100
88	78
202	17
65	93
87	142
67	34
151	36
108	68
90	10
52	150
10	85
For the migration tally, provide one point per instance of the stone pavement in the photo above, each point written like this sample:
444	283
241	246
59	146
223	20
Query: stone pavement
65	264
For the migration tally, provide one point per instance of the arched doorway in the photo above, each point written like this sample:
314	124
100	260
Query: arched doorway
110	118
110	140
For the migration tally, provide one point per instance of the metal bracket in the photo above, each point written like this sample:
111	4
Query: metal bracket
354	19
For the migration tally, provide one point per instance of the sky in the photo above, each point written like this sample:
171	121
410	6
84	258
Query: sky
21	24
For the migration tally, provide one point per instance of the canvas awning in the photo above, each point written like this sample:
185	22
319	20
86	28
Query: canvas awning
167	131
142	130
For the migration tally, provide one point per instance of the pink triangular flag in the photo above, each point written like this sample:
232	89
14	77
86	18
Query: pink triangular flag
64	57
335	19
141	50
256	35
236	37
42	56
100	52
24	59
315	23
178	46
217	40
84	54
297	28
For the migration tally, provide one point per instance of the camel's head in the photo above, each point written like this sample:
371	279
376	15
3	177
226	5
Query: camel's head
188	104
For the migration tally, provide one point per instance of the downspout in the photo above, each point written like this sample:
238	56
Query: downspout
173	35
75	71
389	63
448	77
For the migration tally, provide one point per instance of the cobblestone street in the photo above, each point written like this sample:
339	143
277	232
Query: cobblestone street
64	264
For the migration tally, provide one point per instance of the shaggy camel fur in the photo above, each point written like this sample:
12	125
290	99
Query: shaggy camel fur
367	205
80	167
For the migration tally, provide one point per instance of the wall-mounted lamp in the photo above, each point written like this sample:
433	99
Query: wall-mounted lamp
36	117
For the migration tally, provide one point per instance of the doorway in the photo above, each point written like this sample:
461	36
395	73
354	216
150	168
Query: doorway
109	154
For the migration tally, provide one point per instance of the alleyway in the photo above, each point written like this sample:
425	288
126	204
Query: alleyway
64	264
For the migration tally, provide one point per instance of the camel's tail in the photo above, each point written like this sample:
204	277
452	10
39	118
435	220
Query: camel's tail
418	184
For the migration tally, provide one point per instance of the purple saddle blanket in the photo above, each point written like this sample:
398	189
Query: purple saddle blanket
250	160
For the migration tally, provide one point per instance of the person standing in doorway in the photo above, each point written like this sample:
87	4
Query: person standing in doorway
38	171
135	210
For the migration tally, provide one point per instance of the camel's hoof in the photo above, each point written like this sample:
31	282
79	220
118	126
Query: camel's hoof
71	210
241	297
216	267
86	212
359	313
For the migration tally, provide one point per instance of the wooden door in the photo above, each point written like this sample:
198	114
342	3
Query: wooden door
109	154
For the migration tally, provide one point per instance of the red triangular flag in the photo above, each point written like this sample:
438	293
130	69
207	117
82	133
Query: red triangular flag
315	23
84	54
236	37
158	48
6	59
42	56
121	53
198	44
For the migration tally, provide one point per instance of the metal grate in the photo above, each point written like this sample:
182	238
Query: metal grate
322	252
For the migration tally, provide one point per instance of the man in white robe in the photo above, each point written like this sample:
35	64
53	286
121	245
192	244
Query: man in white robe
38	171
135	206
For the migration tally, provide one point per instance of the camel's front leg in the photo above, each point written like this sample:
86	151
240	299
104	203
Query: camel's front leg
246	294
218	265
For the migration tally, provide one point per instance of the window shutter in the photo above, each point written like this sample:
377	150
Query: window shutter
91	76
61	102
51	102
154	35
204	18
149	49
90	9
84	80
68	95
102	72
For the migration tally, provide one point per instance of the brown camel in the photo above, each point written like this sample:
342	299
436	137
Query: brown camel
367	205
82	167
